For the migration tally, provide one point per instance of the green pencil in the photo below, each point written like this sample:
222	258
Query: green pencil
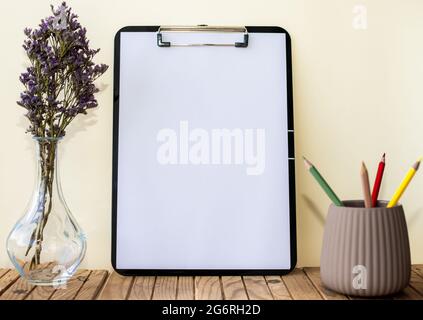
325	186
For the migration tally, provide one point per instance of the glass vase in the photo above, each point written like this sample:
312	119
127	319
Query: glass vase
47	245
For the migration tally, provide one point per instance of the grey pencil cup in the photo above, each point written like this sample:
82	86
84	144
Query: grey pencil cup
365	251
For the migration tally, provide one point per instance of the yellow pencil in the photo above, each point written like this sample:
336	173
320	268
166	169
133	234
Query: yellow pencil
398	193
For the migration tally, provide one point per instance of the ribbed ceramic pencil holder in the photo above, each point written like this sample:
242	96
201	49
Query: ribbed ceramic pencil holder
365	251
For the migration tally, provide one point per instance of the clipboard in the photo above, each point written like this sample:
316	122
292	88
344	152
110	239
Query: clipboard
191	194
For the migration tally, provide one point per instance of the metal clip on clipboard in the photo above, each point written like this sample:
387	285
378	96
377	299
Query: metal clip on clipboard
201	28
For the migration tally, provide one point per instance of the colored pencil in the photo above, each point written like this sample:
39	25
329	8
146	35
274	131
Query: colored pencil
400	190
322	182
378	181
366	186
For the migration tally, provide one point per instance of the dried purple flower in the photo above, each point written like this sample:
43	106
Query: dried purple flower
59	85
60	20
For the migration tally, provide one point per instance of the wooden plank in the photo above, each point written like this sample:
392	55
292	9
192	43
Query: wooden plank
117	287
142	288
91	288
416	282
185	288
208	288
233	288
41	293
3	272
300	286
165	288
257	288
278	288
18	290
72	287
314	276
418	268
7	280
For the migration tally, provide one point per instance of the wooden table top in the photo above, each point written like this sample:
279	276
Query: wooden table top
301	284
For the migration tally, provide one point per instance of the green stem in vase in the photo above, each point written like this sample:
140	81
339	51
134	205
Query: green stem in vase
47	160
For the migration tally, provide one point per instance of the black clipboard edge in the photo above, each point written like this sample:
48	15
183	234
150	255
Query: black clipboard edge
291	168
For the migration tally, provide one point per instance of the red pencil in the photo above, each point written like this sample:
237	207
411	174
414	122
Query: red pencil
378	181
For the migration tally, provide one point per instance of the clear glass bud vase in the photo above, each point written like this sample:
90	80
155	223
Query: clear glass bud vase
47	245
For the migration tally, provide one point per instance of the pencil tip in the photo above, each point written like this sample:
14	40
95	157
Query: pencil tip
417	164
383	157
307	163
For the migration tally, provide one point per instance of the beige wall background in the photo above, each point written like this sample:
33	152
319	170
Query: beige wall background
357	94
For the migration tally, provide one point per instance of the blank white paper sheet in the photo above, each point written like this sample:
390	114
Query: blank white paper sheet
202	163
